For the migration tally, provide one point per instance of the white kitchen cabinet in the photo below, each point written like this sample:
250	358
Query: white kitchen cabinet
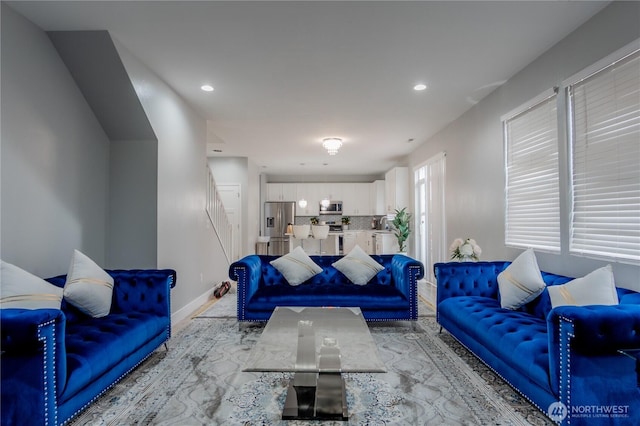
365	240
348	241
386	243
281	192
307	191
377	189
332	191
396	194
357	199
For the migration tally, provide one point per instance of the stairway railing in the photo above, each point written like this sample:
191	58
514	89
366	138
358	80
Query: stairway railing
218	217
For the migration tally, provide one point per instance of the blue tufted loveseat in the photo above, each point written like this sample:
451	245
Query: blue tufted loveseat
56	362
390	295
566	360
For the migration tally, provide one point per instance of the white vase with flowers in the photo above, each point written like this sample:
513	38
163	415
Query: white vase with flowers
465	250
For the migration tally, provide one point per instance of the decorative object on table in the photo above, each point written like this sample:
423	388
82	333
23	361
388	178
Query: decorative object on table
465	250
401	227
314	220
346	221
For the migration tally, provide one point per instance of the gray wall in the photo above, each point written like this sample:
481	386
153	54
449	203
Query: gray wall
55	157
132	240
97	70
186	241
474	144
57	166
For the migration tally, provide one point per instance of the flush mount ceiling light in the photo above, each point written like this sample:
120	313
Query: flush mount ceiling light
420	87
332	145
207	87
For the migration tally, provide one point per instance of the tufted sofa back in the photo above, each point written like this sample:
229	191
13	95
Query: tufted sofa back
329	276
481	279
146	289
468	279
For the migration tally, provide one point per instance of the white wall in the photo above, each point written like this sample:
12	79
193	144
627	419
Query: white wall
186	241
55	157
474	143
240	170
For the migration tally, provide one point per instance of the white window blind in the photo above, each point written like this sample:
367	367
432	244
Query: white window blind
532	175
605	153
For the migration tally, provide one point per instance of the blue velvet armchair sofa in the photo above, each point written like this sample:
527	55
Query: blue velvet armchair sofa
565	360
390	295
56	362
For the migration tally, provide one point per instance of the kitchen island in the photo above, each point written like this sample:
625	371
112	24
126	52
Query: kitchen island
330	246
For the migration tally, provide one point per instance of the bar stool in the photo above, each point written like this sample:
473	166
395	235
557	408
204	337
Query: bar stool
321	233
301	232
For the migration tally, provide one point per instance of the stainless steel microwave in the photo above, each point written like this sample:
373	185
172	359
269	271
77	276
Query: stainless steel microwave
334	207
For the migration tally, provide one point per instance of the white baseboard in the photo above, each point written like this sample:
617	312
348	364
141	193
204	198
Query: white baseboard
186	311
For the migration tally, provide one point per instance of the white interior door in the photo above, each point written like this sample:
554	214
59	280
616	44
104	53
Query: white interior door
232	201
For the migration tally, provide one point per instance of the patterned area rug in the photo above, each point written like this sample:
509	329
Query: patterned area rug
199	381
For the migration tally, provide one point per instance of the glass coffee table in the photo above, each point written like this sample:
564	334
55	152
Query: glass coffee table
318	345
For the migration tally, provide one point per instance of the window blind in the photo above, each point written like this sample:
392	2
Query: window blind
532	176
604	110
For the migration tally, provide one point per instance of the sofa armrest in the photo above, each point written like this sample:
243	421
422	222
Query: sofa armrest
405	273
33	365
247	272
597	329
584	362
468	279
143	290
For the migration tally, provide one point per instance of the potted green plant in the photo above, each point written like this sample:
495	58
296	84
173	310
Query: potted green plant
401	228
314	220
346	221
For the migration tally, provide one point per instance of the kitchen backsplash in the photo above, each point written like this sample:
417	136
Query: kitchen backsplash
357	222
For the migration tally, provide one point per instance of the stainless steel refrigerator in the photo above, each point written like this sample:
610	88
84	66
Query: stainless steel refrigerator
277	216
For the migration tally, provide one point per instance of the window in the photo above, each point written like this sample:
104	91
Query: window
430	226
604	114
532	175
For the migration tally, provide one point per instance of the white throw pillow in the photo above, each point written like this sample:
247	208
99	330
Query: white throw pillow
596	288
20	289
89	288
296	267
358	266
521	282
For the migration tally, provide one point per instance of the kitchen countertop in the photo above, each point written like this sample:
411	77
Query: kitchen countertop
337	233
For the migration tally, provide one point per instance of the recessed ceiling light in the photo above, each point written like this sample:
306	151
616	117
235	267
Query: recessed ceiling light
420	86
207	88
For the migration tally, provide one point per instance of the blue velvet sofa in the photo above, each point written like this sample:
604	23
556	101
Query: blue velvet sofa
566	355
56	362
390	295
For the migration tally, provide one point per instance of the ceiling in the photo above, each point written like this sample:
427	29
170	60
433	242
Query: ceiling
288	74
